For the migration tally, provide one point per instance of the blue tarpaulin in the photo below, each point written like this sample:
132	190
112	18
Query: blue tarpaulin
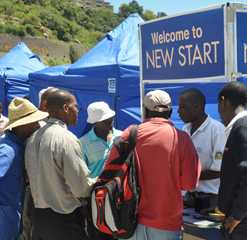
14	69
209	89
108	72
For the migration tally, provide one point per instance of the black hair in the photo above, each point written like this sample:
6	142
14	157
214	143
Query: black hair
165	114
195	96
235	92
58	98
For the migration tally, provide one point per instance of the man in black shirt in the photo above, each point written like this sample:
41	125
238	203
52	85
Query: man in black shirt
232	101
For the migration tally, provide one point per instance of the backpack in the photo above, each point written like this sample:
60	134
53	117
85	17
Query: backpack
115	196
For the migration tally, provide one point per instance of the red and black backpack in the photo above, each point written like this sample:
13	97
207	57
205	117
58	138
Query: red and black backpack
115	196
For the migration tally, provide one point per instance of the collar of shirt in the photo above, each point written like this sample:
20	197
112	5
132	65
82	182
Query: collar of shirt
229	126
14	138
188	126
56	121
158	120
94	137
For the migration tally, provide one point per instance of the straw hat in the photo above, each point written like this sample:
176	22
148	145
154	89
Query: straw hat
22	112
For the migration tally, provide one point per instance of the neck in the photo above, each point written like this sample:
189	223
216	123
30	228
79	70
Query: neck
57	116
101	133
18	134
198	122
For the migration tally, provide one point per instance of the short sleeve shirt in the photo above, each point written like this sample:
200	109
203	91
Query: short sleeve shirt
209	140
95	150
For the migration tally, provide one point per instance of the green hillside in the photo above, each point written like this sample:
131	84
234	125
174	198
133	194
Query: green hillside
62	20
56	19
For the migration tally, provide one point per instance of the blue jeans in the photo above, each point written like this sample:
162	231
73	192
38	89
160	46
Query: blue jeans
147	233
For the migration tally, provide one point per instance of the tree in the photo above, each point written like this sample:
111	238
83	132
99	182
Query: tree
149	15
73	54
133	7
161	14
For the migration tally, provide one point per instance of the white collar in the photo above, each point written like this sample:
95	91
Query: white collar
230	124
201	127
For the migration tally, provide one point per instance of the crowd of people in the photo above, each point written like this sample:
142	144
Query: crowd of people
47	173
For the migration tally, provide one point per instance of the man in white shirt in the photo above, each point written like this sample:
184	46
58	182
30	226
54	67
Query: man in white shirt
58	175
209	139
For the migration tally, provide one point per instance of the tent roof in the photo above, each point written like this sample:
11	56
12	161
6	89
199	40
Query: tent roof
120	46
20	60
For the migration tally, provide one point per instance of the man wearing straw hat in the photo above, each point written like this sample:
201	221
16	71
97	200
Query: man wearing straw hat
23	121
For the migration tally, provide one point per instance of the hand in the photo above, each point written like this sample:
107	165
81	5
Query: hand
230	224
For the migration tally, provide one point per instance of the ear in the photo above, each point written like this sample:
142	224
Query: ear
65	108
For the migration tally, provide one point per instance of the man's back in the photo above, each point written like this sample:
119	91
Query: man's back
167	163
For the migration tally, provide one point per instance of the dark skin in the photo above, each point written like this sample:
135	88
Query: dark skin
103	129
25	131
43	101
192	112
68	113
152	114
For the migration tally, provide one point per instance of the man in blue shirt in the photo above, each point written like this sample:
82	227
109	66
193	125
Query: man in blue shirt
96	144
23	121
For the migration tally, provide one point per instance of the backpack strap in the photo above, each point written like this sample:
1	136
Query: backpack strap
132	137
125	146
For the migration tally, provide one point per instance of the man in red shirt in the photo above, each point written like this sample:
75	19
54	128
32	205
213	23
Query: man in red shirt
167	163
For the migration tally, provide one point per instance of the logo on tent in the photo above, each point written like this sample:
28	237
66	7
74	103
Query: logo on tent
111	85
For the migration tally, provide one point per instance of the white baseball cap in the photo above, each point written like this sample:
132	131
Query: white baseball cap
158	101
98	112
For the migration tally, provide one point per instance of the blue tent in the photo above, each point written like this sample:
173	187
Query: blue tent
209	89
108	72
14	69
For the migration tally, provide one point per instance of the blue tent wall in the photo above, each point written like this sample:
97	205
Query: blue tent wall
128	97
115	57
14	69
209	89
84	90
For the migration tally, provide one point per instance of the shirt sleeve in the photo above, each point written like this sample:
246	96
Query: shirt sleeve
7	156
239	209
218	145
83	151
190	165
76	172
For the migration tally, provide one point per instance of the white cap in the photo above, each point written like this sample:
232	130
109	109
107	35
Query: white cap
98	112
158	101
